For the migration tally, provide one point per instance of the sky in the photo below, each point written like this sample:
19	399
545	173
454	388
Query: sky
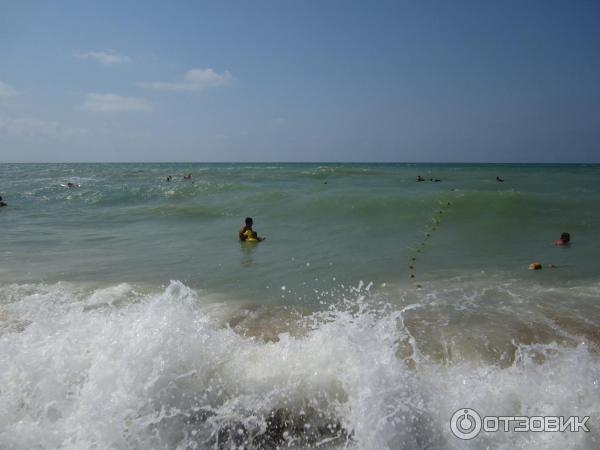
397	81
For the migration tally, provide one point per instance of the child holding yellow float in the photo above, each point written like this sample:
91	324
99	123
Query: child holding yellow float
247	234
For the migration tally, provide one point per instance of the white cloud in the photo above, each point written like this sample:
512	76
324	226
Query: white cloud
26	127
104	57
114	103
194	80
6	91
278	121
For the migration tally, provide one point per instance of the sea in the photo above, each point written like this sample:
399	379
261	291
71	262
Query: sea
377	307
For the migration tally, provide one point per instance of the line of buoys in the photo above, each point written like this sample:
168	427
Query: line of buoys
434	225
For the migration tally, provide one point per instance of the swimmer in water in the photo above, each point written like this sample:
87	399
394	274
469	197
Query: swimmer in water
499	180
420	178
565	238
72	185
247	234
2	203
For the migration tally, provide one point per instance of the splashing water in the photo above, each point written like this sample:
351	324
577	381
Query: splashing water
120	368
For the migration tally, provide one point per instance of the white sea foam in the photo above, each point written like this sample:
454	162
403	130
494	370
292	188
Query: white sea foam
118	368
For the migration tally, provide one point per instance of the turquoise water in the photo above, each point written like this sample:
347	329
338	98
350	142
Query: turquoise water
126	223
134	293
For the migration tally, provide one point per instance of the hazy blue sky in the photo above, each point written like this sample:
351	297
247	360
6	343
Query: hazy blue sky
300	81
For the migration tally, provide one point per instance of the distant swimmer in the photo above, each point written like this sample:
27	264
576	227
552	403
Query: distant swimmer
535	266
538	266
247	234
565	238
187	177
2	203
169	178
499	180
420	178
72	185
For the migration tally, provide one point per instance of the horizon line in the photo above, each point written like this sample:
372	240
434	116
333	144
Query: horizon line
302	162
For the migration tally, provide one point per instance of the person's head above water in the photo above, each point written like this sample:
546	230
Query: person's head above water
565	238
248	221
